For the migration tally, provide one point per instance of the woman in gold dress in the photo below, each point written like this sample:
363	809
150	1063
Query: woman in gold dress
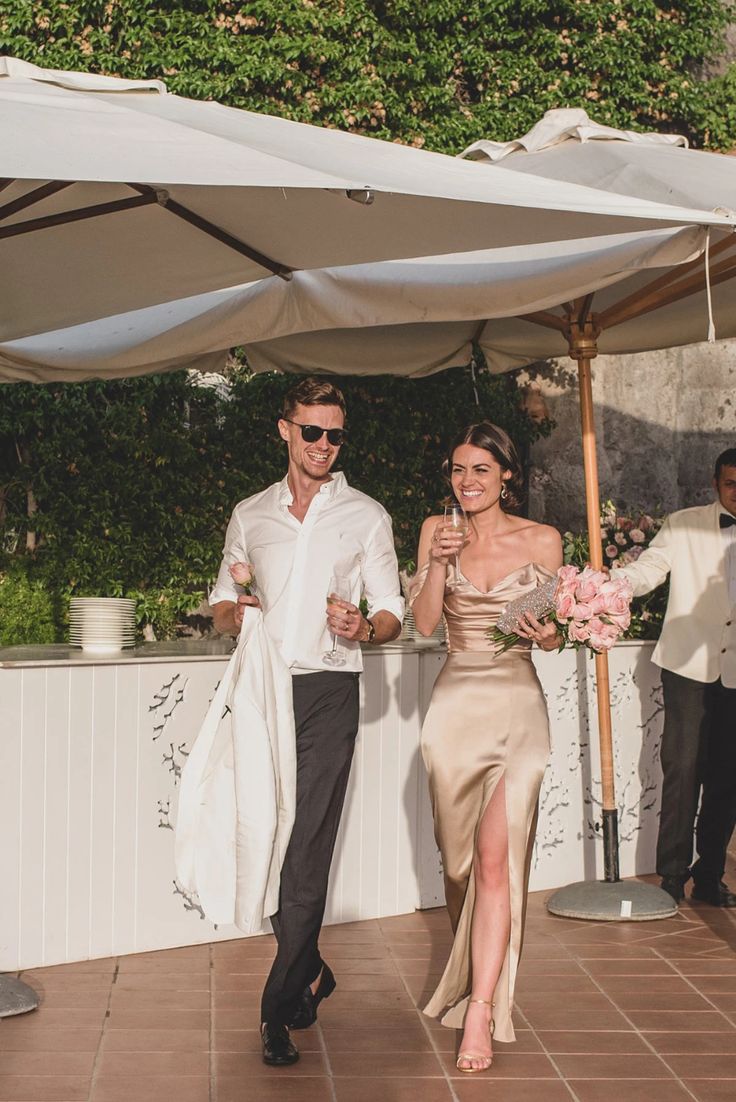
485	740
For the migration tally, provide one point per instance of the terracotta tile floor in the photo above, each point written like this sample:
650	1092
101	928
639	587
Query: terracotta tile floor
636	1011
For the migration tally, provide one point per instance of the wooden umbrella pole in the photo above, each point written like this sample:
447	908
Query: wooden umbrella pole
583	348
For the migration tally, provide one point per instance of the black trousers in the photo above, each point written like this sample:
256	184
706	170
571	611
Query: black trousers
326	711
698	762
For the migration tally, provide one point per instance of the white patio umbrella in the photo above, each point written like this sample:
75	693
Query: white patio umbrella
117	195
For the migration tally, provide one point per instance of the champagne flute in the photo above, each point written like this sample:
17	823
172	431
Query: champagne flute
338	590
456	517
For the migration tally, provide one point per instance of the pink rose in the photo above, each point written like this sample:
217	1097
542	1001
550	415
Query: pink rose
614	597
587	585
611	551
568	574
581	612
564	605
566	590
602	635
593	578
620	538
624	524
624	587
646	523
567	580
637	536
578	633
620	620
598	605
241	573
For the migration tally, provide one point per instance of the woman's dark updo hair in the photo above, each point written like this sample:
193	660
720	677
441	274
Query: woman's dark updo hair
500	445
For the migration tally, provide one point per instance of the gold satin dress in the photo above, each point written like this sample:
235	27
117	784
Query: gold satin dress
487	719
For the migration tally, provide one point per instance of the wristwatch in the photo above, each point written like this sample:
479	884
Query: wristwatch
371	631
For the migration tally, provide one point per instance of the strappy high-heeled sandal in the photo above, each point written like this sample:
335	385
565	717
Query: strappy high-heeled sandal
476	1055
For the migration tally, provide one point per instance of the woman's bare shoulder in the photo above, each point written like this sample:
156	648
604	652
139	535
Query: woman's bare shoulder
536	530
547	535
544	540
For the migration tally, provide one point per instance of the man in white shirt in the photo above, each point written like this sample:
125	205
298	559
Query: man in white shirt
697	653
299	535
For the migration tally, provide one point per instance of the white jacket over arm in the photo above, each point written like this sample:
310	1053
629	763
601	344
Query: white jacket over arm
238	787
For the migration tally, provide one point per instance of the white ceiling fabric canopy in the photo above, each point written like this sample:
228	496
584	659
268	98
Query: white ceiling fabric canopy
409	317
179	197
565	146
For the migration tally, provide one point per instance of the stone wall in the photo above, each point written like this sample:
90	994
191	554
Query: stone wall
661	420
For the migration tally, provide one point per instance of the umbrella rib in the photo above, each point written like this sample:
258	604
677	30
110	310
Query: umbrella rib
210	228
64	217
584	310
35	196
630	309
547	319
674	275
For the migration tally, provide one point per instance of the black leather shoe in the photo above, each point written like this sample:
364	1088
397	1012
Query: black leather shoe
673	886
716	893
278	1050
306	1013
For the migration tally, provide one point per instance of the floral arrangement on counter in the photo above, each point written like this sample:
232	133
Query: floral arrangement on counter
624	535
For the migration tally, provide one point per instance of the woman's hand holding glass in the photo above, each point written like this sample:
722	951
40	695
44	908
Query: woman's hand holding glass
447	543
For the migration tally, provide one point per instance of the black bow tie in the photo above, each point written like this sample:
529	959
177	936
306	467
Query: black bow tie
726	521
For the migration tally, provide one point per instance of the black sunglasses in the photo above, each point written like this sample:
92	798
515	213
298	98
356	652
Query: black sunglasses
312	433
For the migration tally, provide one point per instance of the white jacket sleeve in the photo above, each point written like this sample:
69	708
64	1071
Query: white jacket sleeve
654	564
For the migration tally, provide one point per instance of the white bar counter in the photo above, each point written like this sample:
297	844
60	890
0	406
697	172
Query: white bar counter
91	750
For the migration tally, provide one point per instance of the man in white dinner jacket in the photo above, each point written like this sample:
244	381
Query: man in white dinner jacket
697	653
300	535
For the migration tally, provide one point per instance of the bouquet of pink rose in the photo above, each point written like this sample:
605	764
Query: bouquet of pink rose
625	534
589	607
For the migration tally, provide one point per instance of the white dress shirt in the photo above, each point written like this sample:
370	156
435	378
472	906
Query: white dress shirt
729	556
344	532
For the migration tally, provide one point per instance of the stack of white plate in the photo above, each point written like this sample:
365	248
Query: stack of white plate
101	625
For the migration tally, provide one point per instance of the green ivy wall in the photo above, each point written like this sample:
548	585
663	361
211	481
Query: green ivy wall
127	487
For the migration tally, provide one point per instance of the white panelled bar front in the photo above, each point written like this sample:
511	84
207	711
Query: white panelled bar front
91	752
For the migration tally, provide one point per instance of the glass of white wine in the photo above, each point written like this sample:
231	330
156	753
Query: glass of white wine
338	590
456	517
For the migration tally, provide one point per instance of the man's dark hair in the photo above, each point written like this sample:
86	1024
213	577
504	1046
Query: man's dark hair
725	459
312	392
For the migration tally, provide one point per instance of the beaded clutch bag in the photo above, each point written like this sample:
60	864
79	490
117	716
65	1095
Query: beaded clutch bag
539	601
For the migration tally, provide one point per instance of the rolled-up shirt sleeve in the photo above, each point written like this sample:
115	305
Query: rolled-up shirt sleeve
380	572
235	551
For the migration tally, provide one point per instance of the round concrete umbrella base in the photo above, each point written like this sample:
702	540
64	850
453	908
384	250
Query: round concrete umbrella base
16	997
623	901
